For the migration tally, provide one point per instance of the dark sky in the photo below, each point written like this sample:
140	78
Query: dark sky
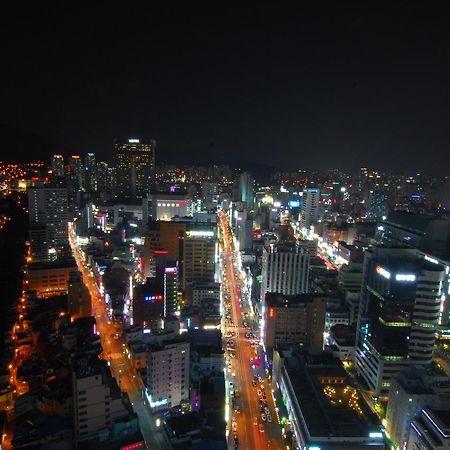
336	85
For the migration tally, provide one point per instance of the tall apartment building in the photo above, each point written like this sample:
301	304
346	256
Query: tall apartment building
285	269
168	374
310	207
97	399
48	215
293	319
134	163
398	315
247	190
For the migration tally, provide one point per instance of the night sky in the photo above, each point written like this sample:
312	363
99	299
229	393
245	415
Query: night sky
340	85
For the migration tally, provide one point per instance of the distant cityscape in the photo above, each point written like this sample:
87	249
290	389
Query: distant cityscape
152	306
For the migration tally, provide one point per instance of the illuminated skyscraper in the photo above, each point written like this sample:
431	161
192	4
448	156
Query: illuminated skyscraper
76	173
246	190
398	313
48	221
310	207
58	166
90	173
105	178
134	163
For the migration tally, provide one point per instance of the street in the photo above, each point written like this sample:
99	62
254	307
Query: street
252	431
113	350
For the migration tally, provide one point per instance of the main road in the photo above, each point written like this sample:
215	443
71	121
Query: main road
253	433
113	351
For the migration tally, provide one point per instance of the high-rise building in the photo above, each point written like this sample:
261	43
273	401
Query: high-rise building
105	178
148	304
285	269
398	314
430	430
210	193
170	289
310	207
168	374
48	215
198	263
134	163
247	190
293	319
90	173
162	236
58	166
76	173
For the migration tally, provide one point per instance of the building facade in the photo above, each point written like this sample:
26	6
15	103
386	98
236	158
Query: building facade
398	315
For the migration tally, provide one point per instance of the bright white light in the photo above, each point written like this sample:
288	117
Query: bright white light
405	277
376	435
383	272
431	260
133	141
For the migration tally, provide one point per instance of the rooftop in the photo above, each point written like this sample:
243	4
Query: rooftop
276	299
328	402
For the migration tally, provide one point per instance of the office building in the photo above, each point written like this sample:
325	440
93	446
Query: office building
284	269
325	411
58	166
210	192
90	173
412	390
148	304
427	233
49	279
78	297
99	405
168	374
76	173
310	207
198	264
134	164
398	315
48	215
162	236
166	205
105	177
201	291
247	190
293	319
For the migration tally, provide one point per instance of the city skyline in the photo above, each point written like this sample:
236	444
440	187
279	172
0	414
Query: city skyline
358	86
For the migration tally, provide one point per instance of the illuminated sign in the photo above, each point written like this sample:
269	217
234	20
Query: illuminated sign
272	312
431	260
133	141
170	270
135	446
383	272
294	203
160	252
405	277
198	233
153	298
376	435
